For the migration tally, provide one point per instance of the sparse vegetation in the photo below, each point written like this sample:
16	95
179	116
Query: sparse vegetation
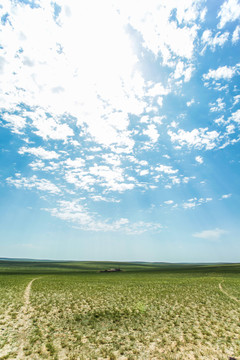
144	312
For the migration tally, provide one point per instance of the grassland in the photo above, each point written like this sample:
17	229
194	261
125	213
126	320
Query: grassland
147	311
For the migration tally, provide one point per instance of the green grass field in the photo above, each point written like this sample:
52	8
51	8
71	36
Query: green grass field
147	311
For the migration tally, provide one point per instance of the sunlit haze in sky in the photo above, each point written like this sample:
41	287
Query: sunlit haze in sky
119	126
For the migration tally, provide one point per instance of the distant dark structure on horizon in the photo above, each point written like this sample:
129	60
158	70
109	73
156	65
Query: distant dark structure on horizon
110	270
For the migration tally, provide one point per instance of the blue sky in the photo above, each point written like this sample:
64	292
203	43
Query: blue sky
119	128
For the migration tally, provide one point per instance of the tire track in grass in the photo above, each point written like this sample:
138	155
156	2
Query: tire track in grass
226	293
24	319
22	325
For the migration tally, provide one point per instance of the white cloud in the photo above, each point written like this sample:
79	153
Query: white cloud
105	199
80	179
50	128
78	214
144	172
190	102
112	159
158	90
110	178
230	129
183	70
236	116
220	120
169	202
34	182
226	196
210	234
229	11
85	95
166	169
15	122
199	159
165	37
223	72
189	205
55	75
197	138
144	119
236	35
218	40
219	105
174	124
236	100
39	152
194	202
76	163
37	165
158	119
142	227
152	132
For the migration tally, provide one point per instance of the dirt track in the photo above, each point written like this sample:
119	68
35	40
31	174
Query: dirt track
228	295
24	319
21	325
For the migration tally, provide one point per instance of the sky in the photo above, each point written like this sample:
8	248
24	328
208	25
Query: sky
119	130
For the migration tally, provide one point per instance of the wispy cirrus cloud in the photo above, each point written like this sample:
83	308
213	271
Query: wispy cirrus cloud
33	183
225	196
214	234
78	214
39	152
193	202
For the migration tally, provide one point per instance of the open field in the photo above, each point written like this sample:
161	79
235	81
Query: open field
68	310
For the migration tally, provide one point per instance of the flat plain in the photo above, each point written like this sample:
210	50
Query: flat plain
71	310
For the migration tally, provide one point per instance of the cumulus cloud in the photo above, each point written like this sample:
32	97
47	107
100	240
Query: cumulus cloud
39	152
15	122
88	112
166	169
213	41
75	163
236	35
144	172
229	12
210	234
199	159
222	72
219	105
197	138
183	70
152	133
55	76
236	116
49	128
165	37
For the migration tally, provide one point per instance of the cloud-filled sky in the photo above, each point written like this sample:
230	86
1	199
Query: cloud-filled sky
119	126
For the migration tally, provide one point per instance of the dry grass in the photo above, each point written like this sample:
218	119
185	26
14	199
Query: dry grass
131	316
